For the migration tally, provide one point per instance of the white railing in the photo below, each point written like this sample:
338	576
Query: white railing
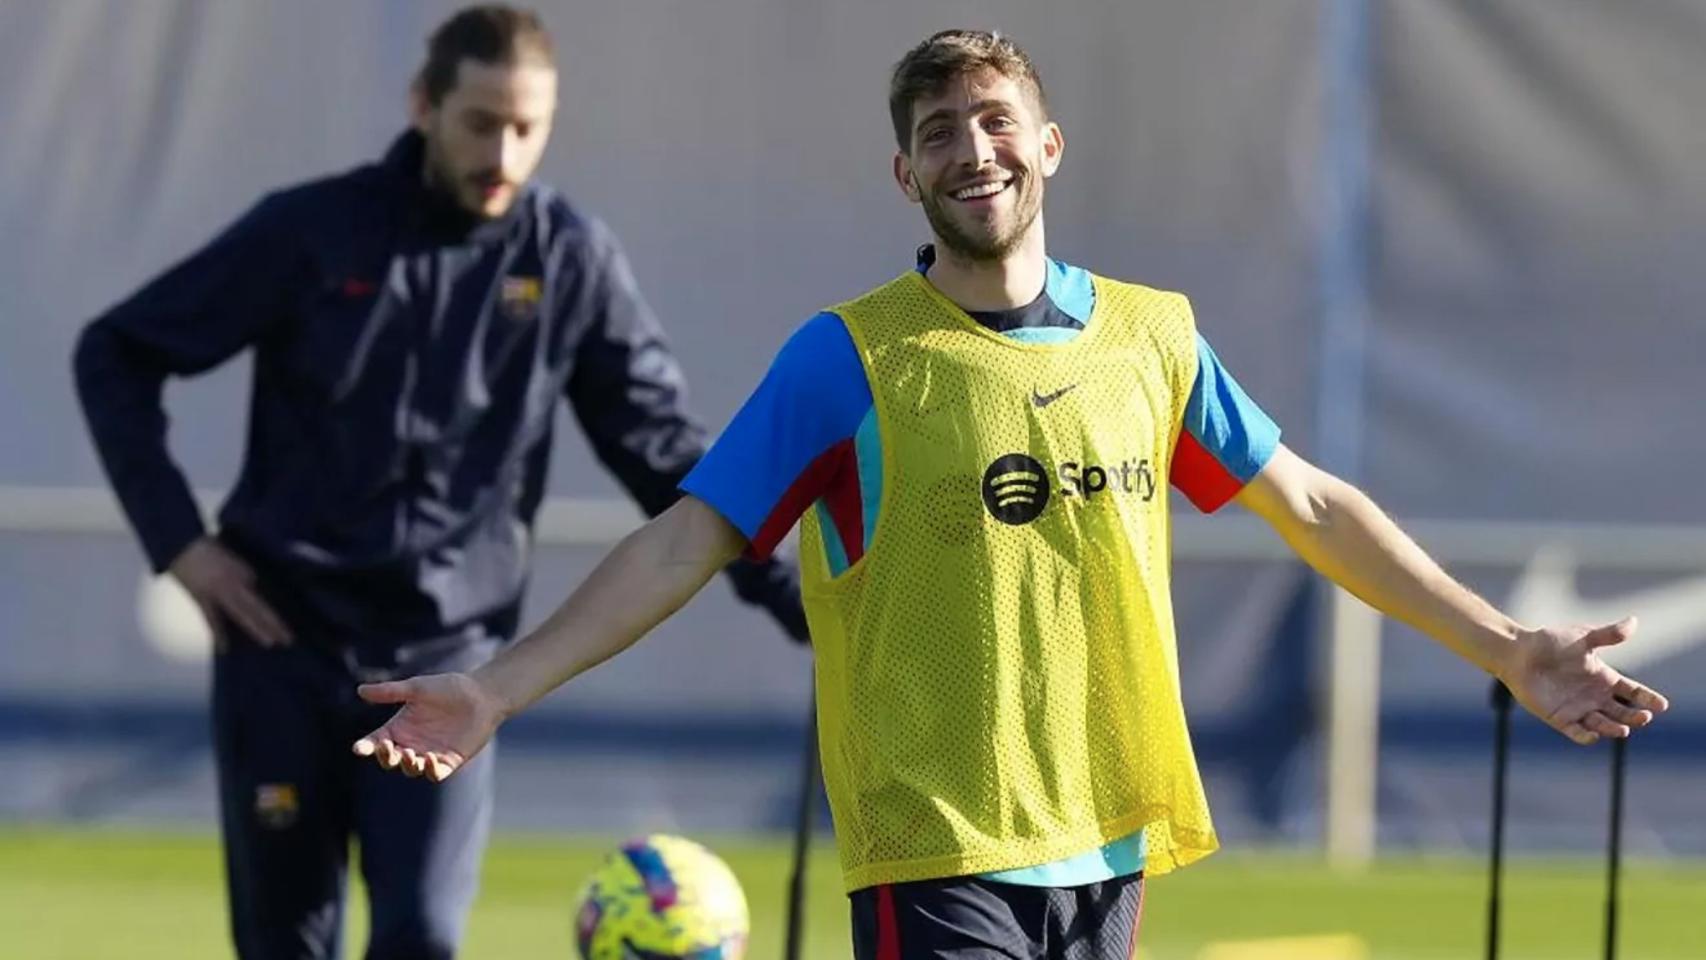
590	521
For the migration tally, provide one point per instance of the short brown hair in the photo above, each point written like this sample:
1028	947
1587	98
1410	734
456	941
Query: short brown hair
490	34
928	68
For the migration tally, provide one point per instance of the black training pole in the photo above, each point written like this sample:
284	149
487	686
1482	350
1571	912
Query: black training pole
1619	753
809	775
1501	762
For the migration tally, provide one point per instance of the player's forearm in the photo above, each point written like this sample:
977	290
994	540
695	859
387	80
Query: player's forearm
1351	541
648	576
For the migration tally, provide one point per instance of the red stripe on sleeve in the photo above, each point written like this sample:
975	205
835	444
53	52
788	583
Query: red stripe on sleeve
814	482
1200	477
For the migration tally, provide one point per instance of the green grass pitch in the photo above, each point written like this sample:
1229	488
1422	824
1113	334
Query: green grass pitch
71	895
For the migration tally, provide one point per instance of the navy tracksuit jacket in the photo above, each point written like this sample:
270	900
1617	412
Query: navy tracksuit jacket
408	362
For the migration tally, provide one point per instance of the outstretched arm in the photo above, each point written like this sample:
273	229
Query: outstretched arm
446	719
1554	672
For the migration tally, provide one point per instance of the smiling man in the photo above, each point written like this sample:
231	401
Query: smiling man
974	449
412	323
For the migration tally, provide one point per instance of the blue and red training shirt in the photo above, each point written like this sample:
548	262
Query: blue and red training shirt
807	440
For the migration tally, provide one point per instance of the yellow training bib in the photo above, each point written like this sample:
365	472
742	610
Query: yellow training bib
997	679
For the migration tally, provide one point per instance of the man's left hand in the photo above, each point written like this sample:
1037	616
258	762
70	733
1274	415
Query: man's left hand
1557	675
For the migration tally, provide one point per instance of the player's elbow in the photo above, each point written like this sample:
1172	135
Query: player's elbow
1295	496
1324	500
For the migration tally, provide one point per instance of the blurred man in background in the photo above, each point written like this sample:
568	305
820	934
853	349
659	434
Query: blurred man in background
977	451
412	323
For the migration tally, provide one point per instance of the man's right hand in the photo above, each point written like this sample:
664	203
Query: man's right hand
443	720
224	587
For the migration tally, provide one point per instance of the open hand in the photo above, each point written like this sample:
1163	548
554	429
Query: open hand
1557	675
445	720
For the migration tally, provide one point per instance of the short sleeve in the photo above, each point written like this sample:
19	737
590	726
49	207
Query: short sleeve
1225	440
793	439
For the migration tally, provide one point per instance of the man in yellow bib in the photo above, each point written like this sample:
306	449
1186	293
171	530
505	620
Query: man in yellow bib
979	452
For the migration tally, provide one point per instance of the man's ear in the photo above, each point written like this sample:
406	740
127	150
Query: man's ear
905	178
1054	144
421	108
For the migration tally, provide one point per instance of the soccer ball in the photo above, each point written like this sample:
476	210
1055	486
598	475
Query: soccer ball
662	898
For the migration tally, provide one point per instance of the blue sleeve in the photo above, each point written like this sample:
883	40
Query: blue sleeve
1226	438
792	439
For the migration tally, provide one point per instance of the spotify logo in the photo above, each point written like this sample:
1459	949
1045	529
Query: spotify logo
1015	489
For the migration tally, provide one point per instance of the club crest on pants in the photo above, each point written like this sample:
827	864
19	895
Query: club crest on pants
276	805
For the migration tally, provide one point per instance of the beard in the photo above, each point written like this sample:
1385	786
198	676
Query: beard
985	245
455	187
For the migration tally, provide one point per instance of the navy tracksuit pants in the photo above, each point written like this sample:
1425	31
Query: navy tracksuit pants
293	797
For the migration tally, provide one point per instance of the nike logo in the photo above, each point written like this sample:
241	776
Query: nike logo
1044	399
1673	616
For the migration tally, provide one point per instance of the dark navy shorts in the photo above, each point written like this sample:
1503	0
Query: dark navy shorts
965	918
293	797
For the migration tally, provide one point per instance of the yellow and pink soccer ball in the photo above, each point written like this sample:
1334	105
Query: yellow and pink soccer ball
662	897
